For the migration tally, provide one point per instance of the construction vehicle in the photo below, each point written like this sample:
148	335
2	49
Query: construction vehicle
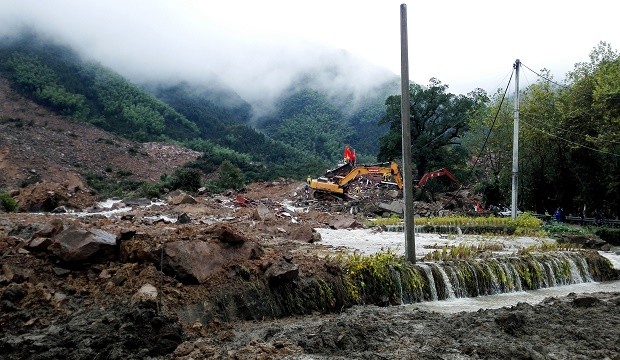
337	181
441	172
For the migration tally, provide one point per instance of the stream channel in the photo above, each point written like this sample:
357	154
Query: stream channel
368	242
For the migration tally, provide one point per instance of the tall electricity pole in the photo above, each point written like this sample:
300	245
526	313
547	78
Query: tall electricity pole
515	145
406	129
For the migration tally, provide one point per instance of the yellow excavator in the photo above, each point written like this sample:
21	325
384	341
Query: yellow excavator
337	181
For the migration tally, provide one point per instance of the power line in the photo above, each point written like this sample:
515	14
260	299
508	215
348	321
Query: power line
563	130
570	141
544	77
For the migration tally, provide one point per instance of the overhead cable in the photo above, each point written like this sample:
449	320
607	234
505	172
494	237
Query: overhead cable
570	141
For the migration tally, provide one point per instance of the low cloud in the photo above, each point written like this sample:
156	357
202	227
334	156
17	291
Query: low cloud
148	41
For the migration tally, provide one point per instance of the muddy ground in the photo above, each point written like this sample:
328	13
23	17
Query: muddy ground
99	309
574	327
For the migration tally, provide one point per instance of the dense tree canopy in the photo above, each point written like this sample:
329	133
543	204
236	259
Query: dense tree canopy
439	119
569	153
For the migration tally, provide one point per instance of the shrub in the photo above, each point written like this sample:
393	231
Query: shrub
611	235
230	176
185	179
7	203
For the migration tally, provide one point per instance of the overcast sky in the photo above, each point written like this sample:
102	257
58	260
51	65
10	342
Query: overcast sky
465	44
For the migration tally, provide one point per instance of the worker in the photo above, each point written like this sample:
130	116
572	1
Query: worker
349	156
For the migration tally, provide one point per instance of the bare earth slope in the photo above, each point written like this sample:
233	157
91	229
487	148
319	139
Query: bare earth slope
37	145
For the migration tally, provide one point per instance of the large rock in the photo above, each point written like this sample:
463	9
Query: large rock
77	245
181	198
50	229
342	222
196	261
305	233
396	206
136	201
263	213
228	235
282	271
44	197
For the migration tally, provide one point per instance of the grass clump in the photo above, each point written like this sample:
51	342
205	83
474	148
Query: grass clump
380	279
547	246
525	224
7	203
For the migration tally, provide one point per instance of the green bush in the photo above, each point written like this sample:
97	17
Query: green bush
7	203
611	235
152	190
185	179
230	176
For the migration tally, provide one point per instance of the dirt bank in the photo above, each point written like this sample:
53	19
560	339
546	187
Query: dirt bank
573	327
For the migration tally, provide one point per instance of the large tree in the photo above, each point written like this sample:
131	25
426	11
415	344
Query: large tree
590	109
438	121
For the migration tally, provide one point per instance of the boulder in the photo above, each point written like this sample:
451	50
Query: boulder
305	233
138	249
228	235
43	197
136	201
395	206
263	213
49	230
76	245
586	301
39	243
342	222
146	293
282	271
181	198
183	219
196	261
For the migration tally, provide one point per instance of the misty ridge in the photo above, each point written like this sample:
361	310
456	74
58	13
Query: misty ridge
157	50
283	122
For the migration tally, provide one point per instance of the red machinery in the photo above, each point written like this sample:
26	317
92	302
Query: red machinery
436	173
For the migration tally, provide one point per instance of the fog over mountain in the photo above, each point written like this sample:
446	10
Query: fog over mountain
148	41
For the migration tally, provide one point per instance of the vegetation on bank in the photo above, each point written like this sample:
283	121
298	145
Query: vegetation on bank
524	224
186	178
7	203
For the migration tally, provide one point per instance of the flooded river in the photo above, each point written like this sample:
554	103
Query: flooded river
368	242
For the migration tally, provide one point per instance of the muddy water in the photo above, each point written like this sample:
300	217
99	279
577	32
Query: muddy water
510	299
368	242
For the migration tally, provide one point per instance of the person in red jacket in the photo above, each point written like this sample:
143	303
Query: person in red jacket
349	156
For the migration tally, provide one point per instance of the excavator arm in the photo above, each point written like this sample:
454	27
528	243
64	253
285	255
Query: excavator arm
338	184
432	174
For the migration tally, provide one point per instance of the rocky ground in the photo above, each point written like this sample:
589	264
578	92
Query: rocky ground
186	278
84	304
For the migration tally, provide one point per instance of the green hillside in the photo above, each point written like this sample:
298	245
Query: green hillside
56	77
311	120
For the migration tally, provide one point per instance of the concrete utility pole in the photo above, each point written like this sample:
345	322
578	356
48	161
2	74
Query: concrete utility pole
406	128
515	145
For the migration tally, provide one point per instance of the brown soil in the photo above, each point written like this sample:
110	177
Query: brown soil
52	308
39	146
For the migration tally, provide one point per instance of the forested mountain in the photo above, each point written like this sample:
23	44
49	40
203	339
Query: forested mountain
303	134
215	121
314	122
569	148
